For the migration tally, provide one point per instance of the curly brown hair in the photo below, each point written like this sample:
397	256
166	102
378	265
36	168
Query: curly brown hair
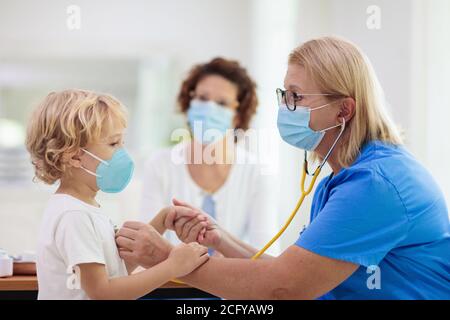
233	72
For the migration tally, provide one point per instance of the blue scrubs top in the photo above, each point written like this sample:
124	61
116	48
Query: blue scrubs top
386	211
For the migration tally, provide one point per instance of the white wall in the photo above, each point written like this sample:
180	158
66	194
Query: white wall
193	30
437	103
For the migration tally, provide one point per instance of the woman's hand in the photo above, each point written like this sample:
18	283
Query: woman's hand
202	228
140	244
185	258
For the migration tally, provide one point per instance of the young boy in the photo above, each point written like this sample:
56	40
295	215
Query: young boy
75	138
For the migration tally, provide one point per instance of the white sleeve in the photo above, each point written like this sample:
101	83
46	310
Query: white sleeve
77	241
262	220
152	196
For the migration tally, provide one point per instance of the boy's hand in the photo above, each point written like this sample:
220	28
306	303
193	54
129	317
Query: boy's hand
185	258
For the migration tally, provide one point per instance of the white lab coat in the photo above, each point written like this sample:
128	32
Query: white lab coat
245	205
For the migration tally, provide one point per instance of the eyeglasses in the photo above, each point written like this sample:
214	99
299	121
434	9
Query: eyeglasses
290	99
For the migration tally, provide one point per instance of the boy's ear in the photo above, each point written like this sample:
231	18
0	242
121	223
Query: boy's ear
73	159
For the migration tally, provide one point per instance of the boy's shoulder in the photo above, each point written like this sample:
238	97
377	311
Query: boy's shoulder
65	201
60	205
68	212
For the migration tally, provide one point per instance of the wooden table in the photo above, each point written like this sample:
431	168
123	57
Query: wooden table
19	283
26	288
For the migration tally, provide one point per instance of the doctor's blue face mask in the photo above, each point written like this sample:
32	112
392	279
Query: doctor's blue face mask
114	174
293	125
209	121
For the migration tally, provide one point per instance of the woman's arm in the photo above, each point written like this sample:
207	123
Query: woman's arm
296	274
207	232
158	221
232	247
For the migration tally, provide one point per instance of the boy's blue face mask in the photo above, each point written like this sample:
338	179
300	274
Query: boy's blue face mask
294	127
208	120
115	174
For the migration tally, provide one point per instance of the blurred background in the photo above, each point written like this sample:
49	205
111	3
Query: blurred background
140	51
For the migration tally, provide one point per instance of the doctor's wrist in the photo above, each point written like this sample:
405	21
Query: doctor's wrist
223	241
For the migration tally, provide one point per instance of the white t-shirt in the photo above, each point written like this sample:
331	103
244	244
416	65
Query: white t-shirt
73	233
245	205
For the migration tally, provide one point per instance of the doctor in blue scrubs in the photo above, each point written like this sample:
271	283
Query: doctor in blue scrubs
379	223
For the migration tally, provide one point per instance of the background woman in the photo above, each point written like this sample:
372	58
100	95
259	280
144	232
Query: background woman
219	97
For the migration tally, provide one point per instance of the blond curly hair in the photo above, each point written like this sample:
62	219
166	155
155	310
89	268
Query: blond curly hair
65	122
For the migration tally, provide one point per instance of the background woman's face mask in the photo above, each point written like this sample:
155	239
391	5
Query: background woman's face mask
209	121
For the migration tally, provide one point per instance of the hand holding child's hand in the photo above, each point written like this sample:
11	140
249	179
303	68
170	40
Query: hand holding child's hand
185	258
201	228
175	212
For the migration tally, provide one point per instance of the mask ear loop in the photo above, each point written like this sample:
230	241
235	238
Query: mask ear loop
96	158
343	126
90	172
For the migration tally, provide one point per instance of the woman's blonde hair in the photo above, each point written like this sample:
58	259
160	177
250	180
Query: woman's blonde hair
65	122
341	69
